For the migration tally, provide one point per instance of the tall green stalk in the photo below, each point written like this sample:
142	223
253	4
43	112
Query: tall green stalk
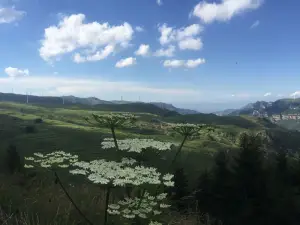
178	151
106	204
112	128
57	180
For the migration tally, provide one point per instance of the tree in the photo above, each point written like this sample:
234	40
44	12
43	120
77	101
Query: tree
180	189
250	182
13	159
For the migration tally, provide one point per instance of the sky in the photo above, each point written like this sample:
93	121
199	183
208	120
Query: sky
205	55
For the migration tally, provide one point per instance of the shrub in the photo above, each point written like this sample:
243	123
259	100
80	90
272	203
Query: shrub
13	159
38	120
30	129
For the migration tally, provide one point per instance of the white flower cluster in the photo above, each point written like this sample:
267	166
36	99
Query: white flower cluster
121	173
136	145
155	223
58	159
114	119
146	207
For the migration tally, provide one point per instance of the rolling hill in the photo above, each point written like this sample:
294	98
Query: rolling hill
115	105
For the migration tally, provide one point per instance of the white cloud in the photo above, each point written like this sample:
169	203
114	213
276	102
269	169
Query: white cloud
183	63
225	10
295	94
78	58
126	62
9	15
15	72
174	63
185	37
255	24
194	63
241	95
165	52
143	50
97	56
166	34
267	94
72	34
190	43
159	2
139	29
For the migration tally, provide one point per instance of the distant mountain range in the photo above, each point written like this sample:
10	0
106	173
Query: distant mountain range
93	101
265	108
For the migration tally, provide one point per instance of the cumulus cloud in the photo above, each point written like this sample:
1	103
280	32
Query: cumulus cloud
194	63
97	56
225	10
15	72
183	63
159	2
190	43
72	33
255	24
126	62
165	52
9	15
185	37
143	50
139	29
267	94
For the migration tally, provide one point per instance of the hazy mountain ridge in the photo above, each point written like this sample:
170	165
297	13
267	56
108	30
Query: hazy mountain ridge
269	108
173	108
95	102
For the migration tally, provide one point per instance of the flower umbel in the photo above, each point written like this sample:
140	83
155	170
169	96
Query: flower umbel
136	145
55	159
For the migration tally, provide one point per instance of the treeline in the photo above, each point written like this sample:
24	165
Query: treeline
255	187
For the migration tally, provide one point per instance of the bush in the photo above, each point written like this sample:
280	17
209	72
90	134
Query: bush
13	159
38	120
30	129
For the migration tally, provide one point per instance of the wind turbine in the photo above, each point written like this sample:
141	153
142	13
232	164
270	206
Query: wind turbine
27	99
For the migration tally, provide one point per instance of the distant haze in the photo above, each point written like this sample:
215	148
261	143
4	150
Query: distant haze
210	107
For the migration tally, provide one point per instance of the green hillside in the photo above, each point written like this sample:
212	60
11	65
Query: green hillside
48	128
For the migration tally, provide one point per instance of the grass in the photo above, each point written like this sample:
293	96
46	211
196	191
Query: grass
65	129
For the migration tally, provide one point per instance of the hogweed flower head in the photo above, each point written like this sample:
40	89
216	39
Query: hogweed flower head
143	208
120	173
113	119
54	159
155	223
136	145
188	130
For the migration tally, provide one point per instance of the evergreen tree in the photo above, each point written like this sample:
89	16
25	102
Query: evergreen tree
283	192
222	187
251	196
180	189
204	194
13	159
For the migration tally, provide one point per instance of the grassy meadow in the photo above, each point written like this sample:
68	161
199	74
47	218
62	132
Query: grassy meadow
35	198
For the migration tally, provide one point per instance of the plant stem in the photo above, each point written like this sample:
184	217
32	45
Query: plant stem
114	137
71	200
106	204
178	151
173	161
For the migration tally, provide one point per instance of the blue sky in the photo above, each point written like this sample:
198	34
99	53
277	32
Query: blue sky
205	55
